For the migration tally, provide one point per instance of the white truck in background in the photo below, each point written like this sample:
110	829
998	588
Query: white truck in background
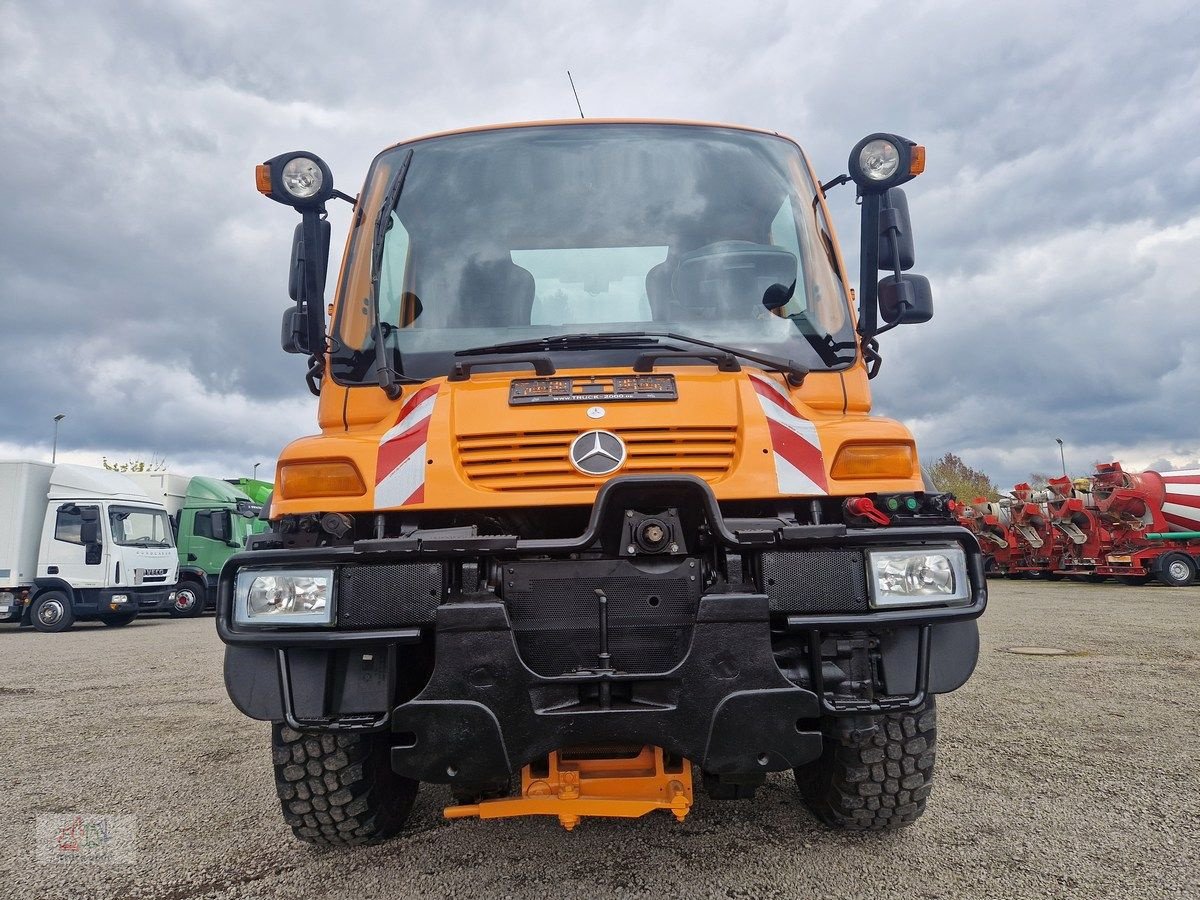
80	543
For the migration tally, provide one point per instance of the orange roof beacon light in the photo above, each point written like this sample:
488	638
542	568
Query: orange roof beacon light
597	497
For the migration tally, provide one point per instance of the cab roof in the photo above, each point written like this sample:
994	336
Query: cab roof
567	123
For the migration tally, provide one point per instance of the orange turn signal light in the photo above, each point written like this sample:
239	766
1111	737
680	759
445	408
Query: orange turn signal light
860	461
262	179
916	161
328	478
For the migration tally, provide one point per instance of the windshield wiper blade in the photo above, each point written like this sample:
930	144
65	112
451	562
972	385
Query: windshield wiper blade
636	340
794	371
632	340
387	377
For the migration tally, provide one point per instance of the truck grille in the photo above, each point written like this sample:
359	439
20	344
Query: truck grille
538	460
816	581
554	611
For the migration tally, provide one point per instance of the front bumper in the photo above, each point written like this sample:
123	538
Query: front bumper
730	702
154	599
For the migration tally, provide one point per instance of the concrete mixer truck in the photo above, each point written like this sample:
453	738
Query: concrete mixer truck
597	504
1039	543
1153	524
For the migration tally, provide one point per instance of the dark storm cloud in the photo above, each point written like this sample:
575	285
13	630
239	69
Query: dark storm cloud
142	279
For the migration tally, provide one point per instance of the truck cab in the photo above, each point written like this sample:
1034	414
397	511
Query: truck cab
86	544
597	501
211	520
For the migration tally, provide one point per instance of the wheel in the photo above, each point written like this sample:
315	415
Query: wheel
118	620
1134	579
189	600
1095	579
1054	576
339	789
1176	569
874	783
51	612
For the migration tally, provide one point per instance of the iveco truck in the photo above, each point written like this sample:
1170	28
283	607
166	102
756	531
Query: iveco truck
212	520
598	510
79	543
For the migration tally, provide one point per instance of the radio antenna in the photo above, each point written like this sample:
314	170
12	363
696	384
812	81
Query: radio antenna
576	93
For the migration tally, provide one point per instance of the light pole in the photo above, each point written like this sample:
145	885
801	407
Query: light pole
1062	456
254	472
54	450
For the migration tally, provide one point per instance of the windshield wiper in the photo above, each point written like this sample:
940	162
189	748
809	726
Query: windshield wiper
389	379
637	340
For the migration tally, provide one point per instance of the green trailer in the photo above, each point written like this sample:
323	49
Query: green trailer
212	521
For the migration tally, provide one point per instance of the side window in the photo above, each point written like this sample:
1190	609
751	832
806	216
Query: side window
66	527
202	526
392	273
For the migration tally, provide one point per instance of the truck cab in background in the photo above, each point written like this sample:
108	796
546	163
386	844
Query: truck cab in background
258	491
211	520
80	543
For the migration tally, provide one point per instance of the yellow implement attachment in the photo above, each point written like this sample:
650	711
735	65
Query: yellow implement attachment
571	785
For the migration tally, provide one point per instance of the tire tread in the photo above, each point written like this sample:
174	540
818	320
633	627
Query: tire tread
338	790
875	783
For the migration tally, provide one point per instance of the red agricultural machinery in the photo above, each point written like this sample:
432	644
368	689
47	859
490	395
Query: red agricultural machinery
1133	526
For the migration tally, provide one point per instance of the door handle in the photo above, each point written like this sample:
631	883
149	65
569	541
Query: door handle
191	557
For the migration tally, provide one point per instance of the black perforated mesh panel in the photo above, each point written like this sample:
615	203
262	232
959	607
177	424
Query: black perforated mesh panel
554	611
833	581
388	595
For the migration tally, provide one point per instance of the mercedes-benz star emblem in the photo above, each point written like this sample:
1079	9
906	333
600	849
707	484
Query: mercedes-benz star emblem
597	453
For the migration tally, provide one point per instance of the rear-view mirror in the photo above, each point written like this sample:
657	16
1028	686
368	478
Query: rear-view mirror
222	525
895	232
908	301
293	336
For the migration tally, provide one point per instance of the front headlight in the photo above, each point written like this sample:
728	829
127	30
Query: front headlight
919	576
283	596
879	160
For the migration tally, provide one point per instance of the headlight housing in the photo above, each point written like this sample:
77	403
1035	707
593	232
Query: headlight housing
918	576
298	179
283	597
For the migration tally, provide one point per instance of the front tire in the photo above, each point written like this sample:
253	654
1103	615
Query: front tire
876	783
339	789
51	612
190	598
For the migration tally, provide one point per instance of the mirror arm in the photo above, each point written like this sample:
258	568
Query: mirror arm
868	266
837	182
312	296
351	200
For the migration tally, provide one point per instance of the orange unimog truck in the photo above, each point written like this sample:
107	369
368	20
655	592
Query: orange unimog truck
597	510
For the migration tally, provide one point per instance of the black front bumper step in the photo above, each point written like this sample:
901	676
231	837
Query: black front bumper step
726	706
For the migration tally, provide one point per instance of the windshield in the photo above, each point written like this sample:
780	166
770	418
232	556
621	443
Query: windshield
522	233
136	527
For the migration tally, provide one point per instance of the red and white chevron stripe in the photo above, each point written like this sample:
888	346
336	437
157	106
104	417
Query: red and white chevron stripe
400	473
799	466
1181	505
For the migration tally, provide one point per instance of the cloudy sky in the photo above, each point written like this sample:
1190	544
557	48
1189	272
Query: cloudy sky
142	278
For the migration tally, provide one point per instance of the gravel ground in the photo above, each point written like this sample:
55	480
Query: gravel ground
1069	776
